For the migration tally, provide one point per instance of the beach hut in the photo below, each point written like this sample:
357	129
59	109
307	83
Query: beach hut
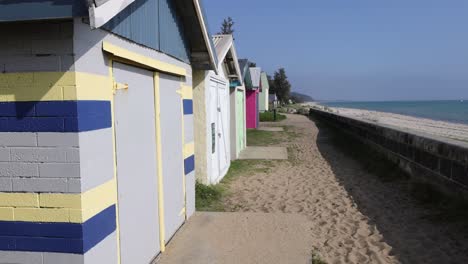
212	112
273	101
263	96
96	127
238	117
252	89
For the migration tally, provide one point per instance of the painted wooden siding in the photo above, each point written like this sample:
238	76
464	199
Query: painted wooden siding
138	22
154	24
171	31
34	10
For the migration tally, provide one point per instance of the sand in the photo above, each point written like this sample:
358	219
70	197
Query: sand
354	216
421	125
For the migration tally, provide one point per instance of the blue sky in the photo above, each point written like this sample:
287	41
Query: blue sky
355	49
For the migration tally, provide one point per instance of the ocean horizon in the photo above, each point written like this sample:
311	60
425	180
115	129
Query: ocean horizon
454	111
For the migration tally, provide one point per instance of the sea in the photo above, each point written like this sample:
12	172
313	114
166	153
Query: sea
455	111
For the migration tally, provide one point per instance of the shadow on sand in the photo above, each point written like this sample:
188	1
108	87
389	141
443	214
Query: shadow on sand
417	232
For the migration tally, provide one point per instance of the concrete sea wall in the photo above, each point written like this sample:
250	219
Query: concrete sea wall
440	162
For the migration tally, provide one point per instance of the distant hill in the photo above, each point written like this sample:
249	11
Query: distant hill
300	98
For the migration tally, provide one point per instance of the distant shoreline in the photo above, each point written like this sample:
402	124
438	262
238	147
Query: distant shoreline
452	111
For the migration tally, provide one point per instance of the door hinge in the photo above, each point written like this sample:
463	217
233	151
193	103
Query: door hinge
182	212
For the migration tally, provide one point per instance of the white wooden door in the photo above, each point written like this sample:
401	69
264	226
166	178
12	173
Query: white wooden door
219	128
213	128
136	165
240	121
172	153
223	128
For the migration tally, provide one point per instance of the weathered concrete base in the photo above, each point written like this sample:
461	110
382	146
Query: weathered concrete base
264	153
241	238
271	129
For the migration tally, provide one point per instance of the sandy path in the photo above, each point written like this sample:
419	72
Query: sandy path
355	217
233	238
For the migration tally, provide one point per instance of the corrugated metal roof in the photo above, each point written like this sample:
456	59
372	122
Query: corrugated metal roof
138	23
255	74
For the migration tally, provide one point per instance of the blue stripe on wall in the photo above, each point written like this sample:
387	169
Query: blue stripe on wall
98	228
54	116
33	229
57	237
188	106
189	164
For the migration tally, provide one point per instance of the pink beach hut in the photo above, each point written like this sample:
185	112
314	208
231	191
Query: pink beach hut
252	77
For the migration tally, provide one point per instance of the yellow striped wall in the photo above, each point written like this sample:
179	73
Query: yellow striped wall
54	86
189	147
57	207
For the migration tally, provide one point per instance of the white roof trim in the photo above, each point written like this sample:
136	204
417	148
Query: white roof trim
222	45
100	15
255	73
205	34
236	63
225	44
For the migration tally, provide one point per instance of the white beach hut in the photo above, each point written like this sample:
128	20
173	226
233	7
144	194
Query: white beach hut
212	112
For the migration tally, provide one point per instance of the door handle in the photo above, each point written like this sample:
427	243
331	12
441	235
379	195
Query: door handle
119	86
